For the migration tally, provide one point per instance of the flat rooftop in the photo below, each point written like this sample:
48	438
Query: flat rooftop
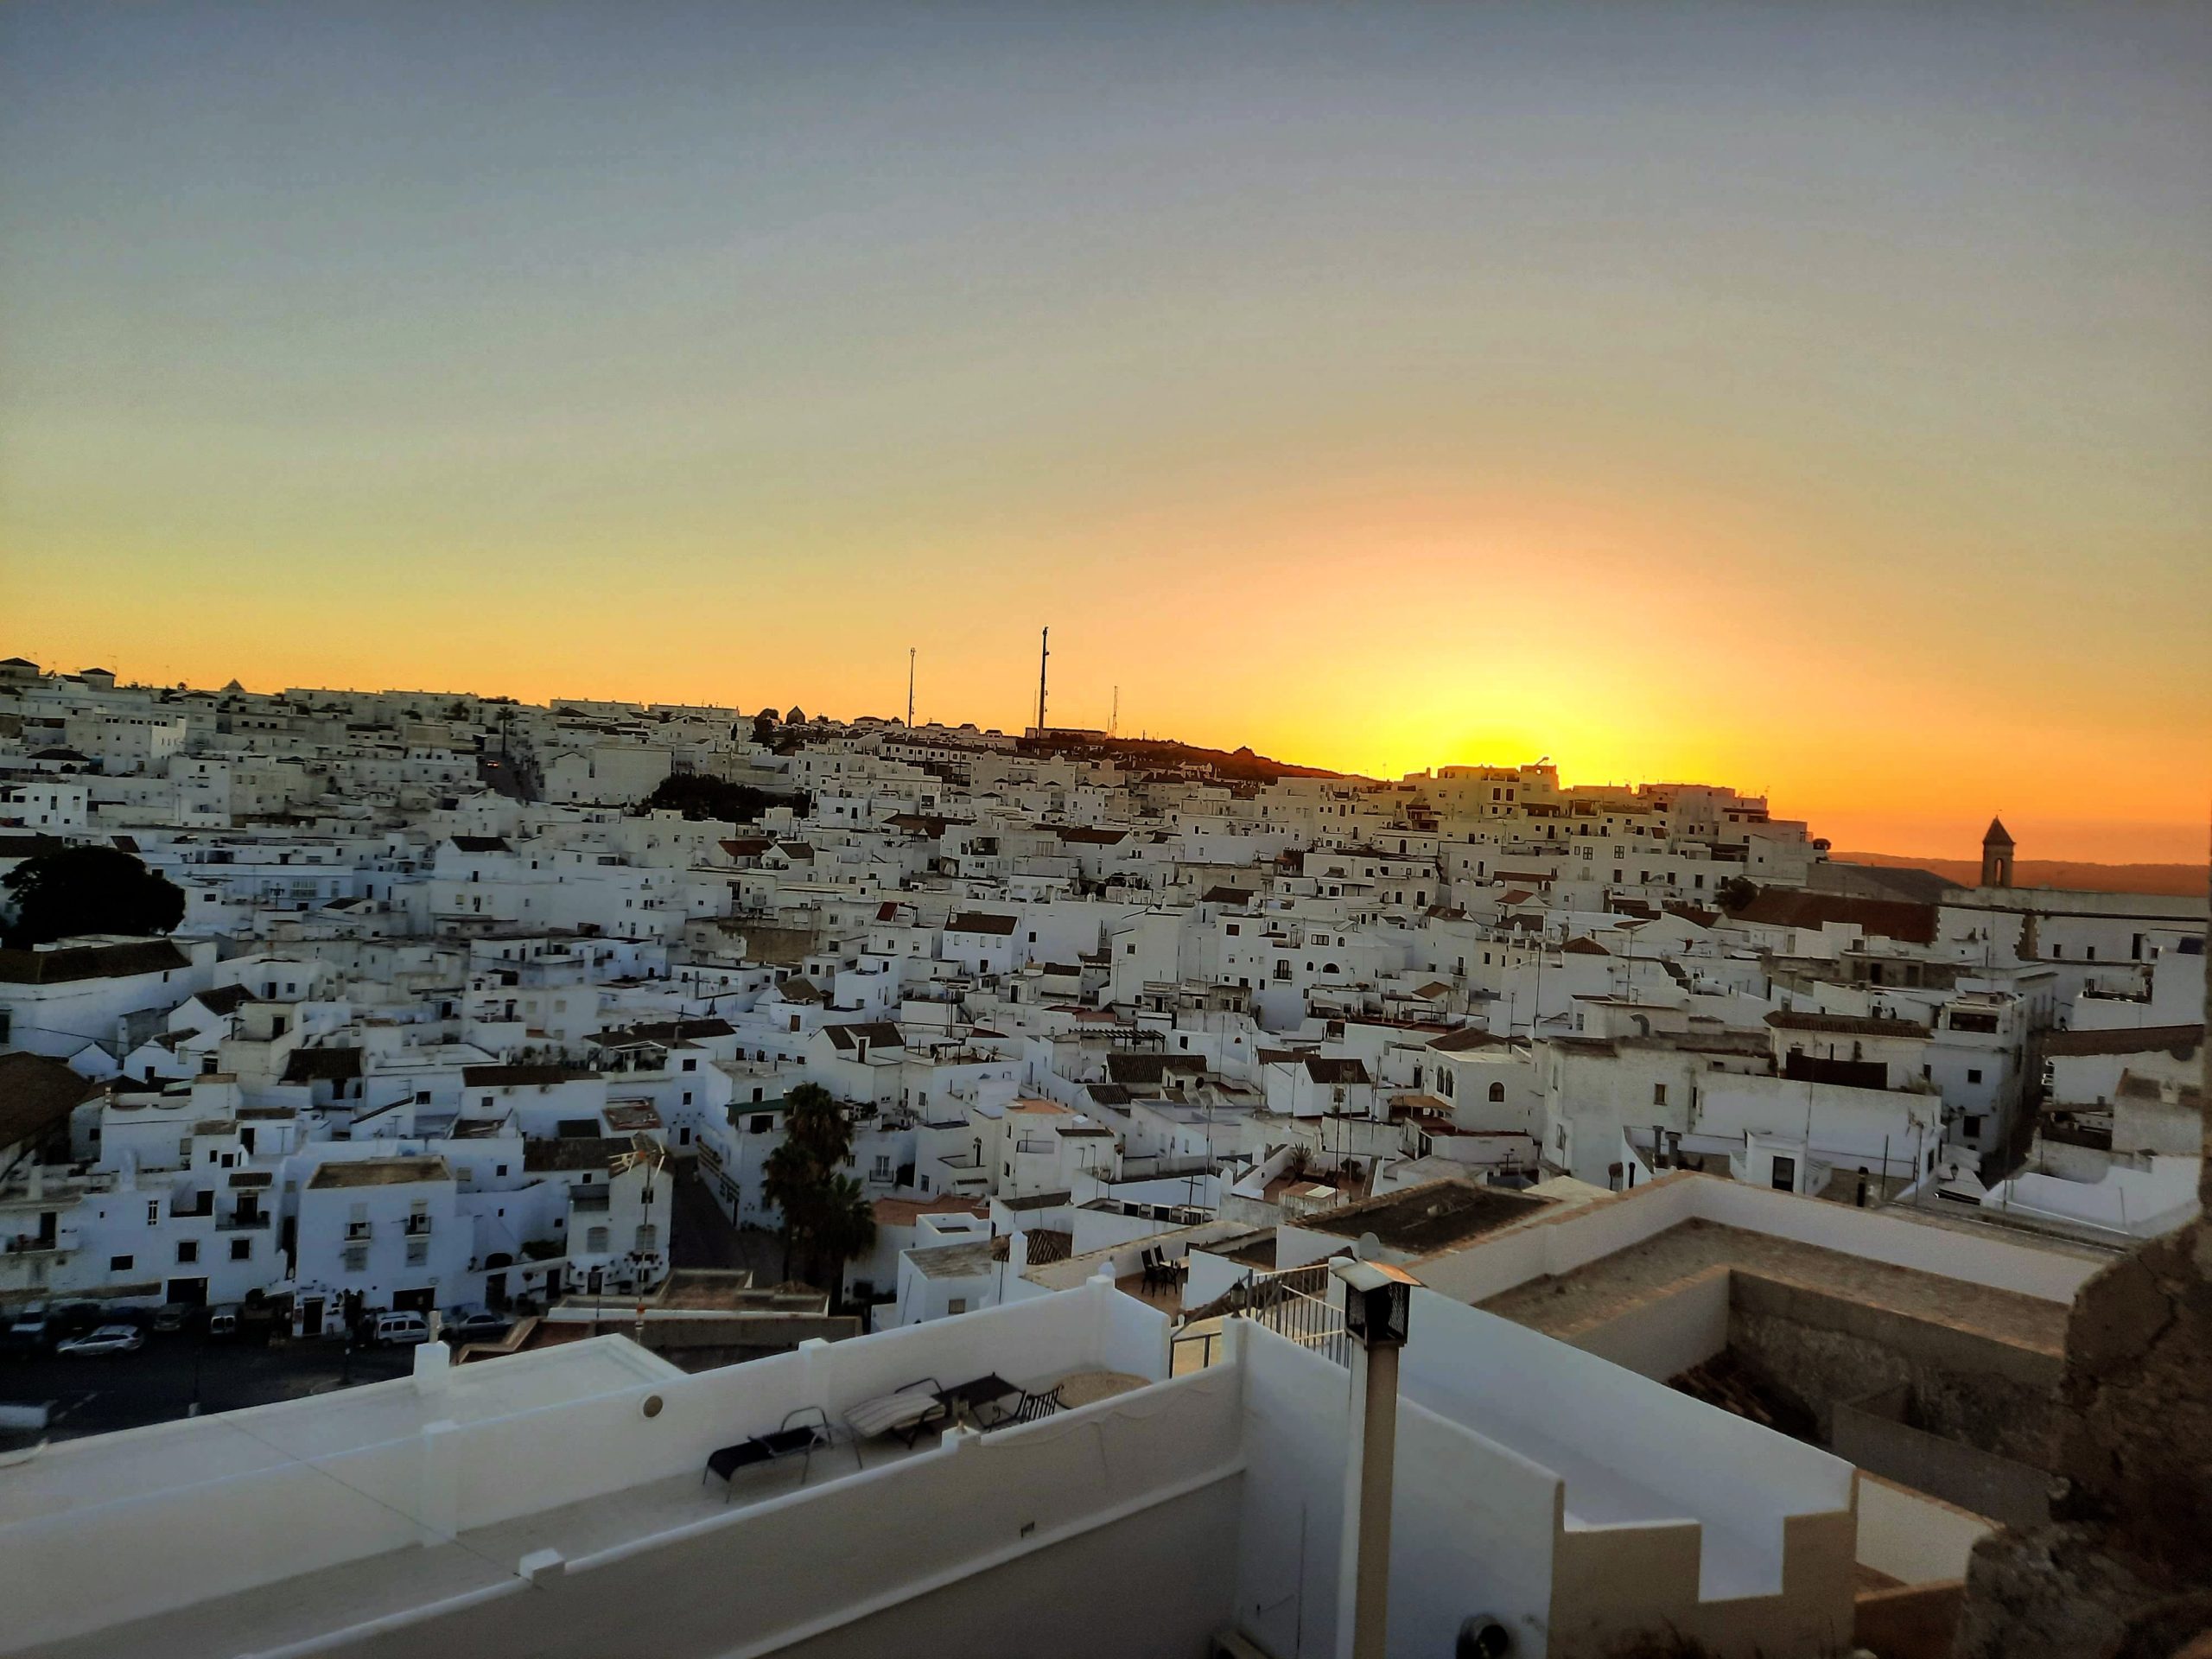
1563	1304
1425	1218
73	1474
378	1172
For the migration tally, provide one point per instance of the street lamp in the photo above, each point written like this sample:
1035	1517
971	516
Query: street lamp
1378	1306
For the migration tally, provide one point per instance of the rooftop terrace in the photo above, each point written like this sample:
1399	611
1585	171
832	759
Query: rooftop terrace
1563	1305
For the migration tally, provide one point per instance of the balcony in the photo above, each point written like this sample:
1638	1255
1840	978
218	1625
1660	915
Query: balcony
418	1227
243	1221
359	1232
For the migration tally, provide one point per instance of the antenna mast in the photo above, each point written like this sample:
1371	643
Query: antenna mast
1044	656
910	688
1113	723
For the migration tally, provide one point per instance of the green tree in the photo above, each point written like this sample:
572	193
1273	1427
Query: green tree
698	796
1736	892
88	890
827	1219
844	1227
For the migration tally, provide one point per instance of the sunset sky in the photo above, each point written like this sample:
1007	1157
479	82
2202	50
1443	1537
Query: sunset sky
1816	401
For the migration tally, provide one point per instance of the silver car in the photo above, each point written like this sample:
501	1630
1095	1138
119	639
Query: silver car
107	1339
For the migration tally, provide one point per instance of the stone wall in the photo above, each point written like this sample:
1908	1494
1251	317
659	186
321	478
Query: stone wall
1824	1349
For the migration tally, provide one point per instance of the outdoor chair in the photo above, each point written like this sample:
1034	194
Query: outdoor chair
1031	1407
905	1412
805	1430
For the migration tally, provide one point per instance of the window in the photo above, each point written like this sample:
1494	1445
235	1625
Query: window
880	1169
595	1241
418	1252
957	1305
1973	1074
690	1065
188	1251
356	1258
1972	1125
121	1263
1497	1091
241	1249
648	1239
152	1213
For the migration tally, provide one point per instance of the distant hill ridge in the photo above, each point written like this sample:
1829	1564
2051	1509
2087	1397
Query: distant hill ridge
1238	765
2184	879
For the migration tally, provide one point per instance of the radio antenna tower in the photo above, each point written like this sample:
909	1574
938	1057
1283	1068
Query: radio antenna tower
1044	656
910	688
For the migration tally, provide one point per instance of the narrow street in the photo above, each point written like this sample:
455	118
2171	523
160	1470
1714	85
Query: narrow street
704	1237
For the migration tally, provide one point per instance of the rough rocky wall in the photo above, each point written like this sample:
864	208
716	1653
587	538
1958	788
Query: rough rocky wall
2125	1572
1825	1350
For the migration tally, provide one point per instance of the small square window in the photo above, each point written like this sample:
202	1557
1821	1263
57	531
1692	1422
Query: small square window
188	1250
241	1249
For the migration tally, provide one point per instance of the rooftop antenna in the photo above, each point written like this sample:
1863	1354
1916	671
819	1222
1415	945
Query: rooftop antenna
1114	721
1044	656
910	688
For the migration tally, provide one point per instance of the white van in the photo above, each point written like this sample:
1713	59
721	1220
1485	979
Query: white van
400	1330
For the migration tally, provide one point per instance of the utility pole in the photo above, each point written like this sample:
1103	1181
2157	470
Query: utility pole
1114	721
1044	656
910	688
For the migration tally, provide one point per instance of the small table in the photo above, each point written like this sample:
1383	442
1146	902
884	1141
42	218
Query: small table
969	1399
1088	1388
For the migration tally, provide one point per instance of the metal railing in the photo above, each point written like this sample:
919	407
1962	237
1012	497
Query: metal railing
1296	1303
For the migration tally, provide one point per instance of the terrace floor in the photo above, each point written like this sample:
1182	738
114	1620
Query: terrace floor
1561	1305
1167	1297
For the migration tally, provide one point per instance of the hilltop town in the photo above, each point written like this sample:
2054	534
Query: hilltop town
1740	1188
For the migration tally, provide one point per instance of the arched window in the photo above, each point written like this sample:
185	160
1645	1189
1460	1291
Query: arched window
1497	1091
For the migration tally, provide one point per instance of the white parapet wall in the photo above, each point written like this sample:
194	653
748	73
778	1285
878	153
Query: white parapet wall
857	1563
215	1505
1912	1537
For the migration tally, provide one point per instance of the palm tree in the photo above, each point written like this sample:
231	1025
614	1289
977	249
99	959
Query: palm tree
789	1180
843	1227
818	1125
802	1176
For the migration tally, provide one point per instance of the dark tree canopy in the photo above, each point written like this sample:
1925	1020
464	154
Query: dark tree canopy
827	1218
1736	892
88	890
699	797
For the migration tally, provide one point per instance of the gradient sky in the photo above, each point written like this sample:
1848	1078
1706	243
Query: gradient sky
1812	400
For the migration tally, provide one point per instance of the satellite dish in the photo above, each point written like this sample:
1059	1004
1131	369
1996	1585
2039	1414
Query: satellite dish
1368	1247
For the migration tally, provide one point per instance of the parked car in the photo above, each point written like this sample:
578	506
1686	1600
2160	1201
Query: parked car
31	1330
104	1339
401	1329
223	1321
171	1316
474	1325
